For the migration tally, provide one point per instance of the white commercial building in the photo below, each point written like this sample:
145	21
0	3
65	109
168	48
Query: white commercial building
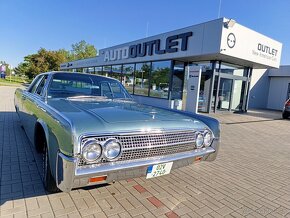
270	89
211	66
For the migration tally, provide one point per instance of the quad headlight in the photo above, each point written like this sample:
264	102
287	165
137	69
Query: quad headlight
203	139
112	149
91	151
198	140
207	138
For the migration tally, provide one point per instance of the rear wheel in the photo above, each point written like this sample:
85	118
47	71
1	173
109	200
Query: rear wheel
48	180
285	115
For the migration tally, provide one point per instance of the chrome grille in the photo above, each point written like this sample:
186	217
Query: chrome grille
144	145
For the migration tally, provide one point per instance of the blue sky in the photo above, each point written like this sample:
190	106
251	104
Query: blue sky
27	25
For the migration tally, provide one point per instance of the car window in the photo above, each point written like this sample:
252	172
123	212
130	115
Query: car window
34	84
105	90
39	89
65	85
116	89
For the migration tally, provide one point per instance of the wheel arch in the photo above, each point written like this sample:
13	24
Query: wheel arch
40	126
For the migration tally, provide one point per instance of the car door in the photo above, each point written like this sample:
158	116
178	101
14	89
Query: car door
30	108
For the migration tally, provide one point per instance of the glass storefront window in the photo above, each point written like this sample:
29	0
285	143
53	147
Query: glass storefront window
159	80
233	69
99	71
205	83
128	77
141	80
177	80
107	70
116	72
90	70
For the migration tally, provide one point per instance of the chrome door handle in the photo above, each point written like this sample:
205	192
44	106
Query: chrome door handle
41	108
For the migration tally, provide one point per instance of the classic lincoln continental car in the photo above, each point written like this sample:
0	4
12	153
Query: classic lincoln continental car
90	131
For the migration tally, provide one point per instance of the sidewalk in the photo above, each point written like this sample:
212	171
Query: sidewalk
250	178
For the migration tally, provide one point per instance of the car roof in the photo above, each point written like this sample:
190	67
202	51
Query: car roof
78	73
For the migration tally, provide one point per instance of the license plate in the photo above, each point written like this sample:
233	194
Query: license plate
158	170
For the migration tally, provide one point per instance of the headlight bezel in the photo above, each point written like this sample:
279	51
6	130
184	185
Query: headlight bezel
208	132
202	136
106	144
198	135
88	145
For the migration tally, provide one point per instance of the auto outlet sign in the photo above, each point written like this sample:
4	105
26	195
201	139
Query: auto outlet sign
173	43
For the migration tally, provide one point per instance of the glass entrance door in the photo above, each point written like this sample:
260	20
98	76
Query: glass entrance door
224	94
238	95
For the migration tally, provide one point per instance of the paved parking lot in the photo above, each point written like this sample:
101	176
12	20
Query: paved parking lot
250	178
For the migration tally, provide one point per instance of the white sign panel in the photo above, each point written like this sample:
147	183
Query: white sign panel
193	85
243	43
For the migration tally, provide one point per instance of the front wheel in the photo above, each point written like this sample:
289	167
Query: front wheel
48	180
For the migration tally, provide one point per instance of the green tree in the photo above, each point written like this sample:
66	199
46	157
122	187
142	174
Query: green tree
40	62
160	76
23	69
83	50
46	60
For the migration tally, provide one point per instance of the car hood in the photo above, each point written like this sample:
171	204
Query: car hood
117	115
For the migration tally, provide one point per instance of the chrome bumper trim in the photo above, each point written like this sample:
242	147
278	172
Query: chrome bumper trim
123	165
69	175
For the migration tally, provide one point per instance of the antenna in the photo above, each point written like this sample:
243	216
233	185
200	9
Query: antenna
147	29
219	11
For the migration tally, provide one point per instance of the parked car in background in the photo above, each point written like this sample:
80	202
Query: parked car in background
286	109
90	131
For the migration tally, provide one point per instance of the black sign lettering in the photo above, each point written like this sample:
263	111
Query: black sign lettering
141	50
266	49
157	47
184	40
133	51
171	43
150	45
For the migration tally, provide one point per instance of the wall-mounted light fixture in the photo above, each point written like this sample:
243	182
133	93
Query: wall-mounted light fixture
230	23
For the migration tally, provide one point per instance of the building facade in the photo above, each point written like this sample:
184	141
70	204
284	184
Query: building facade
156	70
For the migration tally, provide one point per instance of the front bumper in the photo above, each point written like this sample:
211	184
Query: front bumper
69	175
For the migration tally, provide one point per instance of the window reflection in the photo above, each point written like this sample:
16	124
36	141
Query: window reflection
205	82
116	72
99	71
107	70
177	80
90	70
159	83
128	77
233	69
141	81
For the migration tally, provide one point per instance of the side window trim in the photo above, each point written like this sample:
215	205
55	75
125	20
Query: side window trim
37	81
43	79
108	85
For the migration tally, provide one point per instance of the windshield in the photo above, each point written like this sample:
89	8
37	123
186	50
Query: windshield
68	85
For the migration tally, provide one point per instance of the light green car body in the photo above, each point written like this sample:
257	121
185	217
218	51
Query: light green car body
65	122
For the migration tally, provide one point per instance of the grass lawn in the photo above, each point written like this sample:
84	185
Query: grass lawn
15	81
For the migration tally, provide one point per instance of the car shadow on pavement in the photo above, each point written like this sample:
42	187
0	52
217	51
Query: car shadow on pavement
20	164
